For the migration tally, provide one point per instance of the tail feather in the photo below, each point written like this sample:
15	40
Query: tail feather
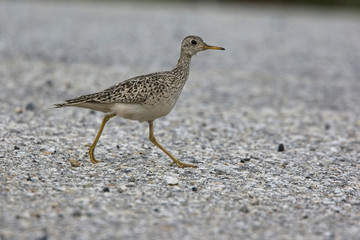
77	101
60	105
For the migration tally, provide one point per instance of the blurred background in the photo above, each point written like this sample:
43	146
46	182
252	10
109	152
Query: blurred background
323	3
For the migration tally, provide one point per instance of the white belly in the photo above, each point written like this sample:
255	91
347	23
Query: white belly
141	112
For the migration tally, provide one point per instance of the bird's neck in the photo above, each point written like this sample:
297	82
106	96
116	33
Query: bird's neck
183	67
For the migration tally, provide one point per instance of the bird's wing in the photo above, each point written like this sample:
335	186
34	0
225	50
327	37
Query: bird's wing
134	90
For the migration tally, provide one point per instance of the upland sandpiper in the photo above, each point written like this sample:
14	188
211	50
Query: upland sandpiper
143	98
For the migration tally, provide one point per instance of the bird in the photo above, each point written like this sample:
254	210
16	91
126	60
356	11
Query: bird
144	98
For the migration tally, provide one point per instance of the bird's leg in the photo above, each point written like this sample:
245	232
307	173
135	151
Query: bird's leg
175	160
93	145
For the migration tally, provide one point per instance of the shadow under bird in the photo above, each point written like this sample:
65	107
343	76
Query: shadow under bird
144	98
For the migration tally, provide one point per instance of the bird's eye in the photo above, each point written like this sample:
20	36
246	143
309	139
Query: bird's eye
193	42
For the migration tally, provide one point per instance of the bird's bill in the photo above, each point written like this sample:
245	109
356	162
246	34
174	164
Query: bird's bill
213	47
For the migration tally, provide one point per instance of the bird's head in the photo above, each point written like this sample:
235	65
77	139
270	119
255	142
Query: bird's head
193	44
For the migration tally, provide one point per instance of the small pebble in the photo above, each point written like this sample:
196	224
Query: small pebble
308	175
74	163
194	189
76	213
49	83
131	184
52	150
132	179
44	237
254	201
334	150
30	106
244	160
19	110
284	164
171	180
244	209
281	147
121	189
106	189
16	148
222	170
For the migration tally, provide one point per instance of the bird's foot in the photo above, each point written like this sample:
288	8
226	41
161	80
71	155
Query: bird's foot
91	153
182	165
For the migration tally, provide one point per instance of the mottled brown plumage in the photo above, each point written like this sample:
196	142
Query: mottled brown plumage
144	98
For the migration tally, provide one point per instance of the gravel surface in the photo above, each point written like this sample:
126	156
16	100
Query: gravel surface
273	123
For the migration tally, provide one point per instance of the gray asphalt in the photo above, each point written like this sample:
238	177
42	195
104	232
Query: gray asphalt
288	76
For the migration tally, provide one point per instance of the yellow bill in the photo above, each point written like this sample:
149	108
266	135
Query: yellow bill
213	47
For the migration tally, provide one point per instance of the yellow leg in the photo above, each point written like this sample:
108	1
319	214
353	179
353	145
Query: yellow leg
92	146
175	160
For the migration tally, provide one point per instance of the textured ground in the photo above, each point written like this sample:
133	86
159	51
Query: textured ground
287	77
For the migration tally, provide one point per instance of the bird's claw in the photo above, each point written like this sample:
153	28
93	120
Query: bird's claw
91	153
183	165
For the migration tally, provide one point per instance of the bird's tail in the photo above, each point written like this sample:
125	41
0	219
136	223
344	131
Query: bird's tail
76	101
60	105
